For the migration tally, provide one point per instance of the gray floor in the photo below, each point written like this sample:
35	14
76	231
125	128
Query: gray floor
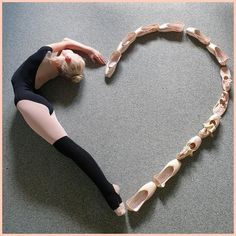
164	89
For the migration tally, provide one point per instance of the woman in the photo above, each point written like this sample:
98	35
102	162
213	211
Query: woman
45	64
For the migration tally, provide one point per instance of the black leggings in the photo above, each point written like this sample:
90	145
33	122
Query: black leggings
85	161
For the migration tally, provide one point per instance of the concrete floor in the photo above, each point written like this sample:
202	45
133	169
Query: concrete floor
163	90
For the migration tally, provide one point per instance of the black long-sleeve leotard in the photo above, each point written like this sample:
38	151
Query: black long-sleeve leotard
23	80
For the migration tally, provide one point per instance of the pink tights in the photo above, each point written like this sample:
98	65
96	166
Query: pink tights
38	118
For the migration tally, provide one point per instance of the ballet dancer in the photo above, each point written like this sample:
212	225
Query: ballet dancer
45	64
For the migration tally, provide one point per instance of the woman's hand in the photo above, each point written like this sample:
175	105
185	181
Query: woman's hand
96	56
92	53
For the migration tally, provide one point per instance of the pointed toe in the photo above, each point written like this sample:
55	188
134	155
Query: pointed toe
120	211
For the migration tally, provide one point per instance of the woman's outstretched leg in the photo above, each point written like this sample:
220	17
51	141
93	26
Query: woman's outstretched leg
84	160
37	116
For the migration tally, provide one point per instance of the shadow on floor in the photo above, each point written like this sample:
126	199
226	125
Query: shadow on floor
62	91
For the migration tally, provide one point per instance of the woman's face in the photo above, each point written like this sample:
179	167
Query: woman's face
68	61
69	55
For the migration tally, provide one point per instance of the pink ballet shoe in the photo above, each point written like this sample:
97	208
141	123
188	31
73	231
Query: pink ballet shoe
141	196
226	78
222	104
125	43
198	35
112	63
221	57
209	126
143	30
167	172
192	145
171	27
146	191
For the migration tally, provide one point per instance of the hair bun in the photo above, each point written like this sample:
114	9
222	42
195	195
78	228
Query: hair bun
76	78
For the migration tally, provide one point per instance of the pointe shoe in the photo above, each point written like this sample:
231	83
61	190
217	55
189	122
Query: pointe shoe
120	211
221	57
112	63
198	35
192	145
204	132
167	172
125	43
141	196
146	191
171	27
226	78
221	104
143	30
212	123
209	126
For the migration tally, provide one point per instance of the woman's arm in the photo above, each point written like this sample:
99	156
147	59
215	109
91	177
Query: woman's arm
67	43
91	52
74	45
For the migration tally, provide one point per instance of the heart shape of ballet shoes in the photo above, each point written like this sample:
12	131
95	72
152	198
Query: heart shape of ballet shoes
159	180
221	57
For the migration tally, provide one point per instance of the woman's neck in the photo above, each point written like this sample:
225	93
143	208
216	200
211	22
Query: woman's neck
46	71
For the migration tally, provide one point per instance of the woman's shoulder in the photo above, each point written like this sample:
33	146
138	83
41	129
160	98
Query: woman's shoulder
45	48
39	54
36	57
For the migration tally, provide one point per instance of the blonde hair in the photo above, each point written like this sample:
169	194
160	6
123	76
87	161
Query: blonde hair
72	71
